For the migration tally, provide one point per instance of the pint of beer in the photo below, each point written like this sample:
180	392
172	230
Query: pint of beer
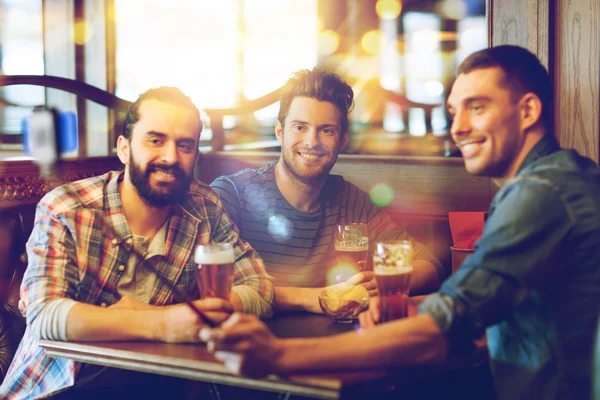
215	269
352	245
392	265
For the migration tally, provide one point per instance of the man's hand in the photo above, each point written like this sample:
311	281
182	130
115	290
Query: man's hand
372	316
366	279
245	345
182	324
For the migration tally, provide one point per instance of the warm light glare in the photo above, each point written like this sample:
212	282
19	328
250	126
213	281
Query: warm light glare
434	88
388	9
453	9
371	42
426	41
328	42
82	33
381	195
341	273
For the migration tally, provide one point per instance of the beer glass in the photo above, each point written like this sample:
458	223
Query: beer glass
215	269
392	265
352	245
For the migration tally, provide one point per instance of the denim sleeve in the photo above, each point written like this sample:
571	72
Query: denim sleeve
527	220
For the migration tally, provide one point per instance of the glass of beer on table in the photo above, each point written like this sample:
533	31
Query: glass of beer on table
215	269
392	265
352	245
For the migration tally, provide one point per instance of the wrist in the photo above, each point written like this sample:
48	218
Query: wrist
310	300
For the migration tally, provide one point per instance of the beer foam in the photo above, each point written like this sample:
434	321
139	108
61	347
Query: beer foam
383	270
345	247
219	257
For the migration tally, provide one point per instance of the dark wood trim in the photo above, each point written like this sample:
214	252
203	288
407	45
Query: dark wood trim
79	24
68	85
111	70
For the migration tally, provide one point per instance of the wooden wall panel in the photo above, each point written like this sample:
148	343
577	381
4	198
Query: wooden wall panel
424	187
577	75
523	23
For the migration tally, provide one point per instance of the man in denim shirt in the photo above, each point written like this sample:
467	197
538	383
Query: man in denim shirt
534	279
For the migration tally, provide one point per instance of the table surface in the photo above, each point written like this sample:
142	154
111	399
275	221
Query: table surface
193	361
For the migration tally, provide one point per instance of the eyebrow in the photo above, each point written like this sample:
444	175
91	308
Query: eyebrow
164	136
297	121
469	100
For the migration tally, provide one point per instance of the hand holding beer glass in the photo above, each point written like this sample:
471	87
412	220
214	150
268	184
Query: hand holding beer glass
352	245
215	269
392	265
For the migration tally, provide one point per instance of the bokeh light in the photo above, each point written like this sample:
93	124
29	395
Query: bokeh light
381	195
82	33
371	42
341	272
328	42
453	9
388	9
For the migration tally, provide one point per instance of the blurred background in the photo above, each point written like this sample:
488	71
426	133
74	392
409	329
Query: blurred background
399	56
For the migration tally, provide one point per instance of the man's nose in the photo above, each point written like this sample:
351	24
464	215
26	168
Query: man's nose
461	124
311	138
169	153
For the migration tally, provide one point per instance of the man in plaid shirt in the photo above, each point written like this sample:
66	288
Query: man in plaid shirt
86	278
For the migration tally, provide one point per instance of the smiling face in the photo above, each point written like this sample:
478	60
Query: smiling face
165	143
311	139
488	124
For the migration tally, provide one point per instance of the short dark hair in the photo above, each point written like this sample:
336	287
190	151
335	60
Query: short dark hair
523	73
166	94
320	85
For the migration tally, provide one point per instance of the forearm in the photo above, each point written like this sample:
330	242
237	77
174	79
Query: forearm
407	342
248	301
297	298
424	278
86	322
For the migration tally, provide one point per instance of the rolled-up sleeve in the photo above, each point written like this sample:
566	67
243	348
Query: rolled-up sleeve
52	270
529	219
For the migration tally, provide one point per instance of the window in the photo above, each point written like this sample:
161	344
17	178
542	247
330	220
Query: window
21	52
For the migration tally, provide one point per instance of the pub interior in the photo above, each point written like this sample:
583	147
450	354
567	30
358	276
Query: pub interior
90	60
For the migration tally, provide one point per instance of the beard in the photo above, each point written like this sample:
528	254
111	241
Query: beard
168	193
304	175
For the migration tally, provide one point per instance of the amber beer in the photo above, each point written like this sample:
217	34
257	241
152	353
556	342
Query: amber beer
394	286
214	275
353	255
392	265
352	245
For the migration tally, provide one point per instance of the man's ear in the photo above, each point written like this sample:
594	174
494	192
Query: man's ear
123	149
531	110
279	132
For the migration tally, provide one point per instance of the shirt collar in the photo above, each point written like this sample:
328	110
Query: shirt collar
547	145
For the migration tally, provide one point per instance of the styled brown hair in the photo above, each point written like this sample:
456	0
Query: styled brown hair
523	73
320	85
165	94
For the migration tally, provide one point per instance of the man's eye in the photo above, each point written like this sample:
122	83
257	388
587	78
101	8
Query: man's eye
154	141
187	147
476	107
328	131
298	127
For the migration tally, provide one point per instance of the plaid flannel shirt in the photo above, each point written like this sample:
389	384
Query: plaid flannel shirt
73	255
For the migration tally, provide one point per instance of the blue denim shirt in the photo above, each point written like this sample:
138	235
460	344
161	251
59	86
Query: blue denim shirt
534	279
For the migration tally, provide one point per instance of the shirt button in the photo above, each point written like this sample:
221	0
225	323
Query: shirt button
115	241
121	268
103	305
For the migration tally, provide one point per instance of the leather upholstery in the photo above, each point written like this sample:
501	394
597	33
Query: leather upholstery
12	266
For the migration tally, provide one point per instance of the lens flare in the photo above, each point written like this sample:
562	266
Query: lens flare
381	195
341	272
